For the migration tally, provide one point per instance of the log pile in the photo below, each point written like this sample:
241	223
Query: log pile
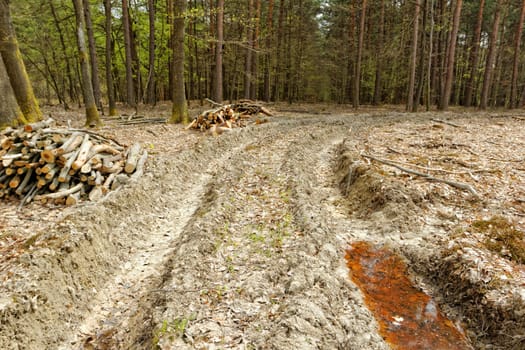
53	165
226	117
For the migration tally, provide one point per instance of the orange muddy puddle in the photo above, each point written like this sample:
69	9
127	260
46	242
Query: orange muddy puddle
408	318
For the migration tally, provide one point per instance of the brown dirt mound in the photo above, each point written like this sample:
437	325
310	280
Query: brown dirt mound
372	195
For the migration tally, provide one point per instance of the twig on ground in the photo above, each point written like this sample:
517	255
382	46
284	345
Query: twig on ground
213	102
445	122
459	185
469	172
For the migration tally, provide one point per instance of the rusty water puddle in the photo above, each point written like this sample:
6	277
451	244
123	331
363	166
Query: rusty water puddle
408	318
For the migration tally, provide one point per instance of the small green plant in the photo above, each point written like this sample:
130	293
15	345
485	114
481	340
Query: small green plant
254	237
175	328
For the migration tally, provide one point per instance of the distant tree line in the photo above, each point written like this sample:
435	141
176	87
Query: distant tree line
421	53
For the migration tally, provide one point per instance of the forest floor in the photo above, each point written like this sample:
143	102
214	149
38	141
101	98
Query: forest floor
269	237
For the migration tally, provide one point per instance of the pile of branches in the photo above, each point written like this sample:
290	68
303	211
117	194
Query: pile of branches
41	162
226	117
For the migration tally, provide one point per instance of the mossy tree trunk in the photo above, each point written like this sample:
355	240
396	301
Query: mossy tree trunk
14	65
92	116
179	111
10	113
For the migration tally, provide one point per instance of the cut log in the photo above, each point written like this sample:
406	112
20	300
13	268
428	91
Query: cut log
39	125
64	173
48	155
38	160
117	167
96	193
83	153
24	185
61	194
73	198
133	157
15	181
70	144
139	171
50	175
54	184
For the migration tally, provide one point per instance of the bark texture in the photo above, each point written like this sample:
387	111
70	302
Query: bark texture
10	113
92	116
15	67
180	108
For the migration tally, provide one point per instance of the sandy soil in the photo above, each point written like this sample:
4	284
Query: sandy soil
238	241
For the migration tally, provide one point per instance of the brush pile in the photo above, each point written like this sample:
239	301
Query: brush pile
54	165
227	117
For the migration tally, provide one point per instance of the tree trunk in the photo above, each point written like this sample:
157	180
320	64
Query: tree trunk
15	66
109	66
491	56
445	97
71	85
10	113
413	59
151	99
256	33
92	117
130	89
422	58
278	62
517	41
378	86
430	52
249	52
179	111
93	57
218	94
474	56
268	55
357	76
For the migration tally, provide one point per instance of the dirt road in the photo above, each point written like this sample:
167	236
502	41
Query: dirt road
235	241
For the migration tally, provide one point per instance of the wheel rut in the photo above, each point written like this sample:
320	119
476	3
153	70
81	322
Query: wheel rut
238	242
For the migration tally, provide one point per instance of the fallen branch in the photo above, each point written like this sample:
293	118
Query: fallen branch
459	185
438	170
445	122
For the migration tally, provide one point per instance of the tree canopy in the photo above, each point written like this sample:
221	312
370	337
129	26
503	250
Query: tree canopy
342	51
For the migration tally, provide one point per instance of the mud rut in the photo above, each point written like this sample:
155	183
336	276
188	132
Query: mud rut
236	243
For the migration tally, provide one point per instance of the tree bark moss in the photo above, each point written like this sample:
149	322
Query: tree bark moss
15	67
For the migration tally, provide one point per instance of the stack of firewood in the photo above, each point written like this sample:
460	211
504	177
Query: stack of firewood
227	117
41	162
